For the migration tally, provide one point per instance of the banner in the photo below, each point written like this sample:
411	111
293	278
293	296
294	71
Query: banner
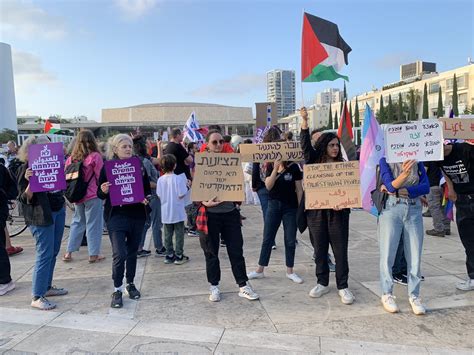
218	175
125	175
421	141
47	163
270	152
458	128
332	184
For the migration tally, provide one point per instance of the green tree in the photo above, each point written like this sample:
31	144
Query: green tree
20	121
381	113
400	116
425	103
455	97
390	115
39	120
350	111
440	109
412	112
330	123
357	120
8	135
472	109
336	121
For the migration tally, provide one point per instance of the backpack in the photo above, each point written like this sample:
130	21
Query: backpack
76	186
13	166
9	188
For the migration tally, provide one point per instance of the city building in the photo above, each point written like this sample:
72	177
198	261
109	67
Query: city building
281	89
328	96
318	117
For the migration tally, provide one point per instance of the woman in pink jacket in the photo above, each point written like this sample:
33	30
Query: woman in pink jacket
88	211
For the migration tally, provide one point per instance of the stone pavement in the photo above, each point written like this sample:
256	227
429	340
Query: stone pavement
175	316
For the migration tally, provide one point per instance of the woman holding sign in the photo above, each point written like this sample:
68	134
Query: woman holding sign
223	219
124	223
328	226
45	216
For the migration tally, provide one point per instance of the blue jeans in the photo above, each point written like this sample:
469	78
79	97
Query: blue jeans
48	243
276	213
263	197
153	219
87	218
401	216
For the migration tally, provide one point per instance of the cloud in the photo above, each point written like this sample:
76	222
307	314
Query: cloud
29	73
134	9
394	60
25	20
235	86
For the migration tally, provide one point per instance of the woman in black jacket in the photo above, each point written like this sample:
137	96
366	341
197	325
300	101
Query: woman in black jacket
125	224
45	216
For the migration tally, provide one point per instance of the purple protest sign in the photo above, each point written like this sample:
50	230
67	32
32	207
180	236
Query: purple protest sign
47	162
125	175
260	133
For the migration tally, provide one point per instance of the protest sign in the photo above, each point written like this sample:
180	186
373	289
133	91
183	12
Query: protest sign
421	141
47	162
458	128
260	133
332	184
218	175
125	175
270	152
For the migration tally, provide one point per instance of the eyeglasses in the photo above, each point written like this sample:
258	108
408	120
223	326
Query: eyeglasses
221	141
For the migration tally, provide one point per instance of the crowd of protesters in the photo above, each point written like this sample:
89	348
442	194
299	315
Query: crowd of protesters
167	173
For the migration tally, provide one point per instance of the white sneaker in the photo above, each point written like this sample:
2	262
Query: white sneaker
295	278
248	293
5	288
389	304
346	296
318	291
416	305
215	294
467	285
255	275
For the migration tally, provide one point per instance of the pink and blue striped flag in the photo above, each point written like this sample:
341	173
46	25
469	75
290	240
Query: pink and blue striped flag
372	150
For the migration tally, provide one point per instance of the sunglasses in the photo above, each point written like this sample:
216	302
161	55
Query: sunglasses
221	141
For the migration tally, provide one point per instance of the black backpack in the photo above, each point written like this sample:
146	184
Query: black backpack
9	188
76	186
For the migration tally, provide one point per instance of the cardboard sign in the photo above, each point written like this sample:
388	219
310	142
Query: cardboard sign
218	175
421	141
458	128
270	152
332	184
47	163
125	175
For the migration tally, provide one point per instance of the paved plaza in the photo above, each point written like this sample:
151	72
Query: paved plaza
175	316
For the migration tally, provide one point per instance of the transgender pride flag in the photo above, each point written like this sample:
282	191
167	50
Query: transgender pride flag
372	150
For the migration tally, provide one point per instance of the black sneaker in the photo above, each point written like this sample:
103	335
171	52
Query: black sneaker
116	300
160	252
400	279
192	233
180	260
435	233
143	253
132	291
447	232
426	214
169	259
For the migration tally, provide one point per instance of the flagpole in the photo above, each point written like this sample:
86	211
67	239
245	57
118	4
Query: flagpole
301	80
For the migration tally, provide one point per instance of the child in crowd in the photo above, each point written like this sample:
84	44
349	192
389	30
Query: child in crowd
172	190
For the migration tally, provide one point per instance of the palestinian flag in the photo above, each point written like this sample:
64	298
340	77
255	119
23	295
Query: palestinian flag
323	51
51	128
346	136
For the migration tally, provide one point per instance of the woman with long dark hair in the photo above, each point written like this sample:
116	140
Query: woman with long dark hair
88	211
329	226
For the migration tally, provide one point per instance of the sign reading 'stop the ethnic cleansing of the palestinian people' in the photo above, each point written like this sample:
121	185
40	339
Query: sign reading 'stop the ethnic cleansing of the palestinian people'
421	141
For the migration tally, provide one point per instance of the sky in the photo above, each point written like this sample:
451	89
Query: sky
77	57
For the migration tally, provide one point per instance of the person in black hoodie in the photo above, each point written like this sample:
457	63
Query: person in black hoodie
124	223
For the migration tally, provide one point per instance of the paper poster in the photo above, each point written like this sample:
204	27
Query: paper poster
421	141
270	152
125	175
218	175
332	184
458	128
47	162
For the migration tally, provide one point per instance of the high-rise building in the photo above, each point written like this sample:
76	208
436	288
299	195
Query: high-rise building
281	89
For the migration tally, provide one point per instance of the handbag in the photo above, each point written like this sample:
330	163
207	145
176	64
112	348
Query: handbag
379	198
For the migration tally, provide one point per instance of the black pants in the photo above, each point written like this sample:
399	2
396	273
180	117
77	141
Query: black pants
5	268
465	223
400	264
125	234
228	226
330	227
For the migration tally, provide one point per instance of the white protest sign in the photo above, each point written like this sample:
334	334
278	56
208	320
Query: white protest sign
420	140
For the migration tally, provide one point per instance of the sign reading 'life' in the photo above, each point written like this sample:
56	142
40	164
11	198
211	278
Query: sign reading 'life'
421	141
